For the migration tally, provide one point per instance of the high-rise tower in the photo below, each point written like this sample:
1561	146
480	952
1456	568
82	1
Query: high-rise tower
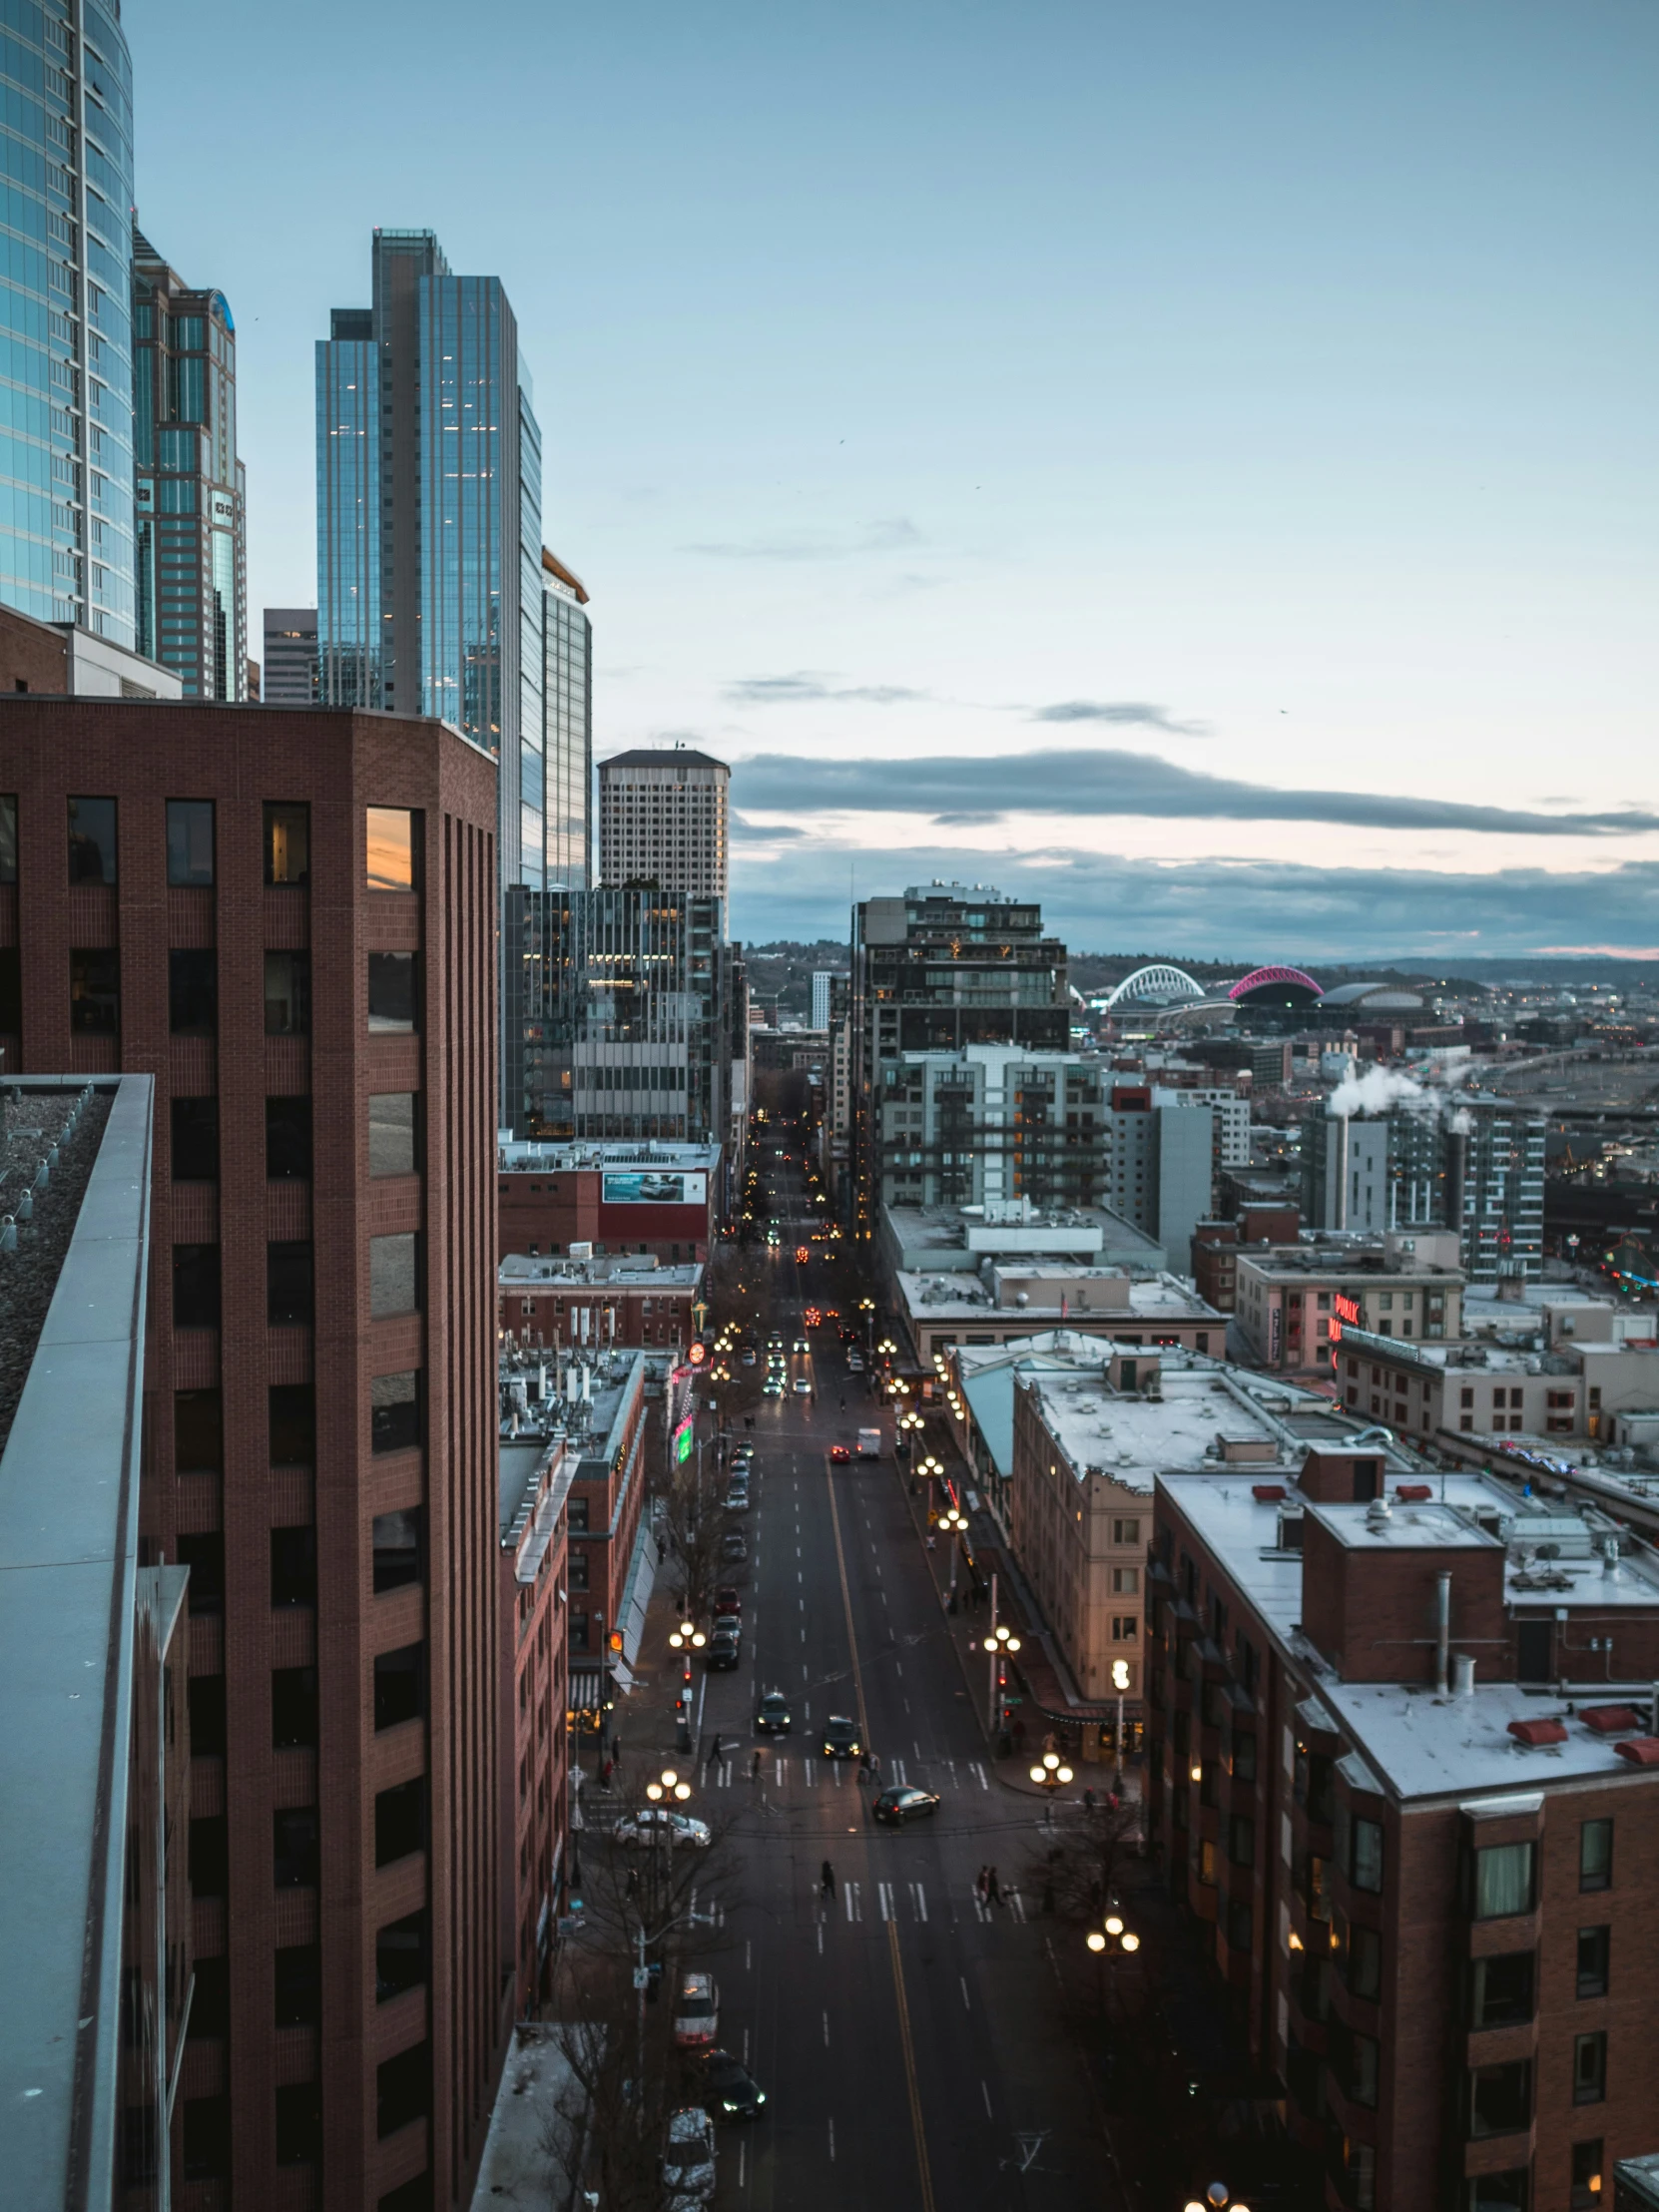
662	817
66	353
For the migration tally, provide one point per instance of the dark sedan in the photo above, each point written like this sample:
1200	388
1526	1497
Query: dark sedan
896	1806
729	2090
840	1737
774	1717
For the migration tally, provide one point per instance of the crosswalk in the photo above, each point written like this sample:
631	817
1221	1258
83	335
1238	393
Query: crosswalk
907	1902
785	1769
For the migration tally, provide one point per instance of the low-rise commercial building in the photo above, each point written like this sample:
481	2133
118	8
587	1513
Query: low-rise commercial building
1296	1301
658	1199
533	1777
1010	1298
1483	1388
1404	1771
615	1302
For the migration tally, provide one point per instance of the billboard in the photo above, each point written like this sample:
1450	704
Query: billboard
654	1187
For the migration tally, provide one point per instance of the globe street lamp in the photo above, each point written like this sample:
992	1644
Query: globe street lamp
955	1520
1053	1774
1000	1643
687	1638
1217	2198
1110	1941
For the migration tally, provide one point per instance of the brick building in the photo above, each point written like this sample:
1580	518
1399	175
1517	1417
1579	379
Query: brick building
535	1765
287	920
1295	1300
633	1303
660	1199
1481	1389
1402	1770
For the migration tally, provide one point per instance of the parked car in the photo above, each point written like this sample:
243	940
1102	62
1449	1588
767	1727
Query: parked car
658	1823
734	1547
896	1806
854	1362
696	2011
724	1650
840	1738
738	1501
841	1454
729	2090
772	1717
727	1599
689	2159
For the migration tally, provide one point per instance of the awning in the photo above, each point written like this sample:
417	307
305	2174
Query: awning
636	1596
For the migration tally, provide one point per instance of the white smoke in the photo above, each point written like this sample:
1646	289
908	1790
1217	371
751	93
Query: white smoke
1380	1090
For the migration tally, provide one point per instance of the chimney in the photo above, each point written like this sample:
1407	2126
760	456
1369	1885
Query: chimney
1442	1631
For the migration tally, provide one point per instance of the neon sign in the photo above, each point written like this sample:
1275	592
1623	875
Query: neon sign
1348	1309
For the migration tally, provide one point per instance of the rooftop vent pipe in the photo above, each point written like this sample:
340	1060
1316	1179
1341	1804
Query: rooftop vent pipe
1442	1631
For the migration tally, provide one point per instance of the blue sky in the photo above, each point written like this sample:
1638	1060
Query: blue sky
1246	400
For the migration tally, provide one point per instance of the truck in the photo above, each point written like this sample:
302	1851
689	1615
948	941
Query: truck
869	1443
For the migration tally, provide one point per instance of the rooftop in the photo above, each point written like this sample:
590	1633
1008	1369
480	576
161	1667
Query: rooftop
606	1270
1334	1256
579	1397
1438	1356
1147	1299
1017	1228
513	1154
663	755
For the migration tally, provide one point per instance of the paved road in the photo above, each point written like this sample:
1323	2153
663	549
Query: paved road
910	2040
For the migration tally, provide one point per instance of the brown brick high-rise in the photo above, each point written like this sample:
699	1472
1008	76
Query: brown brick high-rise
287	918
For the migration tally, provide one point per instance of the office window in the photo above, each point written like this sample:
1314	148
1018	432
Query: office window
403	2089
195	1144
1586	2176
298	2124
95	991
193	993
400	1821
400	1956
392	1133
294	1847
398	1549
1511	2191
8	836
1359	1959
210	1854
204	1554
1503	1881
392	848
1589	2067
293	1564
190	842
1594	1954
288	995
91	841
288	1284
1502	1992
195	1286
1595	1855
287	1138
198	1433
292	1707
11	989
209	2007
1366	1855
292	1414
288	843
205	1695
207	2138
399	1685
298	1986
394	1411
1500	2098
1241	1840
394	1274
393	994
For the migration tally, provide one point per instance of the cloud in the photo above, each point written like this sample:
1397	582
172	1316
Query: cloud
892	534
1123	712
743	831
965	821
804	689
1245	911
1103	782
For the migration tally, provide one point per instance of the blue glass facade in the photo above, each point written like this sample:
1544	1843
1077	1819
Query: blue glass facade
349	521
66	348
567	725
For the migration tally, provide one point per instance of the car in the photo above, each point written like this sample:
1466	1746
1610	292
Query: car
896	1806
728	1601
725	1651
689	2159
658	1823
772	1388
696	2011
734	1547
737	1501
729	2090
841	1454
854	1362
772	1717
801	1344
802	1386
747	1356
901	1447
840	1738
774	1343
742	1457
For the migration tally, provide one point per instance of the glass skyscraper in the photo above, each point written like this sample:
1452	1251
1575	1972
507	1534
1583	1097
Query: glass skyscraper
567	725
190	529
429	519
66	354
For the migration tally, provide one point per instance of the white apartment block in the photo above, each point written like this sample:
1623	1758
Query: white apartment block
663	815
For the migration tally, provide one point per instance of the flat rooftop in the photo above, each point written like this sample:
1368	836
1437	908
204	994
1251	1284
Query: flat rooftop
1296	1263
514	1154
1465	1359
606	1270
1151	1297
578	1398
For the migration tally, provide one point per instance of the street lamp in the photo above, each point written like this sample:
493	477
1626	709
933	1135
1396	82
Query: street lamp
956	1522
687	1638
1053	1774
670	1785
1108	1941
1217	2198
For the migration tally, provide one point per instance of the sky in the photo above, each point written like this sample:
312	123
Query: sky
1193	464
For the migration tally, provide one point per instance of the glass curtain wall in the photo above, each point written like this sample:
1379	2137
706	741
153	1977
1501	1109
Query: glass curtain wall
349	515
531	652
567	637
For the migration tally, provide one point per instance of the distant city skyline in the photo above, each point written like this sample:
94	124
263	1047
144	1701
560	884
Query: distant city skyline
1264	399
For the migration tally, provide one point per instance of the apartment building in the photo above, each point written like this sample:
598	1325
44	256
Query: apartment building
286	918
1296	1301
1404	1772
534	1772
663	819
655	1198
629	1301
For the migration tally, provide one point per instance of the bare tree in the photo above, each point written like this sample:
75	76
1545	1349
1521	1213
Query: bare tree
695	1526
1076	1870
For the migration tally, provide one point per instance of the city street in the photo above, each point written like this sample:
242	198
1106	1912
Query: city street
908	2037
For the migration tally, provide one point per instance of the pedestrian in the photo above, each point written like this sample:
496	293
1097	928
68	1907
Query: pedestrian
826	1881
616	1746
875	1767
980	1884
1088	1800
993	1889
755	1768
605	1776
713	1759
632	1882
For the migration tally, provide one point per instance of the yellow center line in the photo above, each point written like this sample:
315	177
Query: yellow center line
924	2173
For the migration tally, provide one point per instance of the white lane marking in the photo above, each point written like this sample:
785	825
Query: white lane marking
899	1774
802	1602
808	1764
799	1576
918	1897
743	2150
836	1770
899	1668
821	1938
745	2046
803	1639
884	1892
975	1768
749	1953
919	1752
984	2091
1016	1905
779	1771
803	1663
962	1981
831	2140
854	1902
955	1779
981	1911
827	2031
